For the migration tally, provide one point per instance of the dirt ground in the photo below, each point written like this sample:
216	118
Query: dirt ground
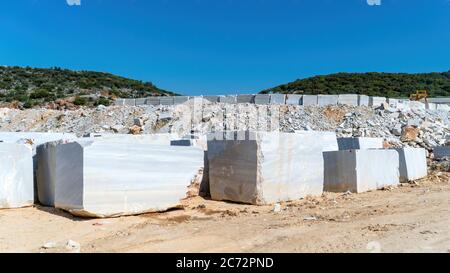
411	218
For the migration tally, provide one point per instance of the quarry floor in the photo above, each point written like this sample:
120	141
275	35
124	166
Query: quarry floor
411	218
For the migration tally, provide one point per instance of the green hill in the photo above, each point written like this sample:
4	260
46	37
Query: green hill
373	84
32	86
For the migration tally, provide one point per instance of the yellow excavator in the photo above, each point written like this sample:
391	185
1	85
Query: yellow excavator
419	95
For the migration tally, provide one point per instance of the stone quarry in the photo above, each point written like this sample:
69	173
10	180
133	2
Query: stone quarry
145	155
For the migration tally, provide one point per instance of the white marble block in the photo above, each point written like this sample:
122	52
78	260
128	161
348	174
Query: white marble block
293	99
359	143
16	175
348	99
156	139
262	99
324	100
107	179
413	163
277	99
377	101
308	100
363	100
265	167
360	170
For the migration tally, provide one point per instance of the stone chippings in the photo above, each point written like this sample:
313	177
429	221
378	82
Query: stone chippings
408	127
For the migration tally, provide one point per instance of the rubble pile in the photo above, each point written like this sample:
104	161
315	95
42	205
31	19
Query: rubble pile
415	127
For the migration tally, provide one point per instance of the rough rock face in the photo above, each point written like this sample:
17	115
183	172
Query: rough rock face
203	116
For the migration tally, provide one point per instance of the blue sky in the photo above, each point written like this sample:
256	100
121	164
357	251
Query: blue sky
226	46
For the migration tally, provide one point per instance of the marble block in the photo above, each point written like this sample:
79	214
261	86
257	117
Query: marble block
355	170
16	175
103	179
265	167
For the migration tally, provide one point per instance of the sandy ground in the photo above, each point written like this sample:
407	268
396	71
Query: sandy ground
411	218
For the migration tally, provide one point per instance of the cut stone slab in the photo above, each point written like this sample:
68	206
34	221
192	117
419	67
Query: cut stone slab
348	99
264	167
119	102
413	163
166	100
129	102
417	105
277	99
16	175
445	107
355	170
430	106
228	99
140	101
152	101
309	100
359	143
262	99
324	100
293	99
180	99
403	104
393	102
103	179
156	139
441	152
35	140
211	98
363	100
245	98
376	101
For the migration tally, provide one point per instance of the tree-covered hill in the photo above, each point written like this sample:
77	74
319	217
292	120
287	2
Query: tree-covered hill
32	86
373	84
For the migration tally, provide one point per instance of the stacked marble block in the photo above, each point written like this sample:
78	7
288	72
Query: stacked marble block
324	100
294	99
98	177
16	175
348	99
266	167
